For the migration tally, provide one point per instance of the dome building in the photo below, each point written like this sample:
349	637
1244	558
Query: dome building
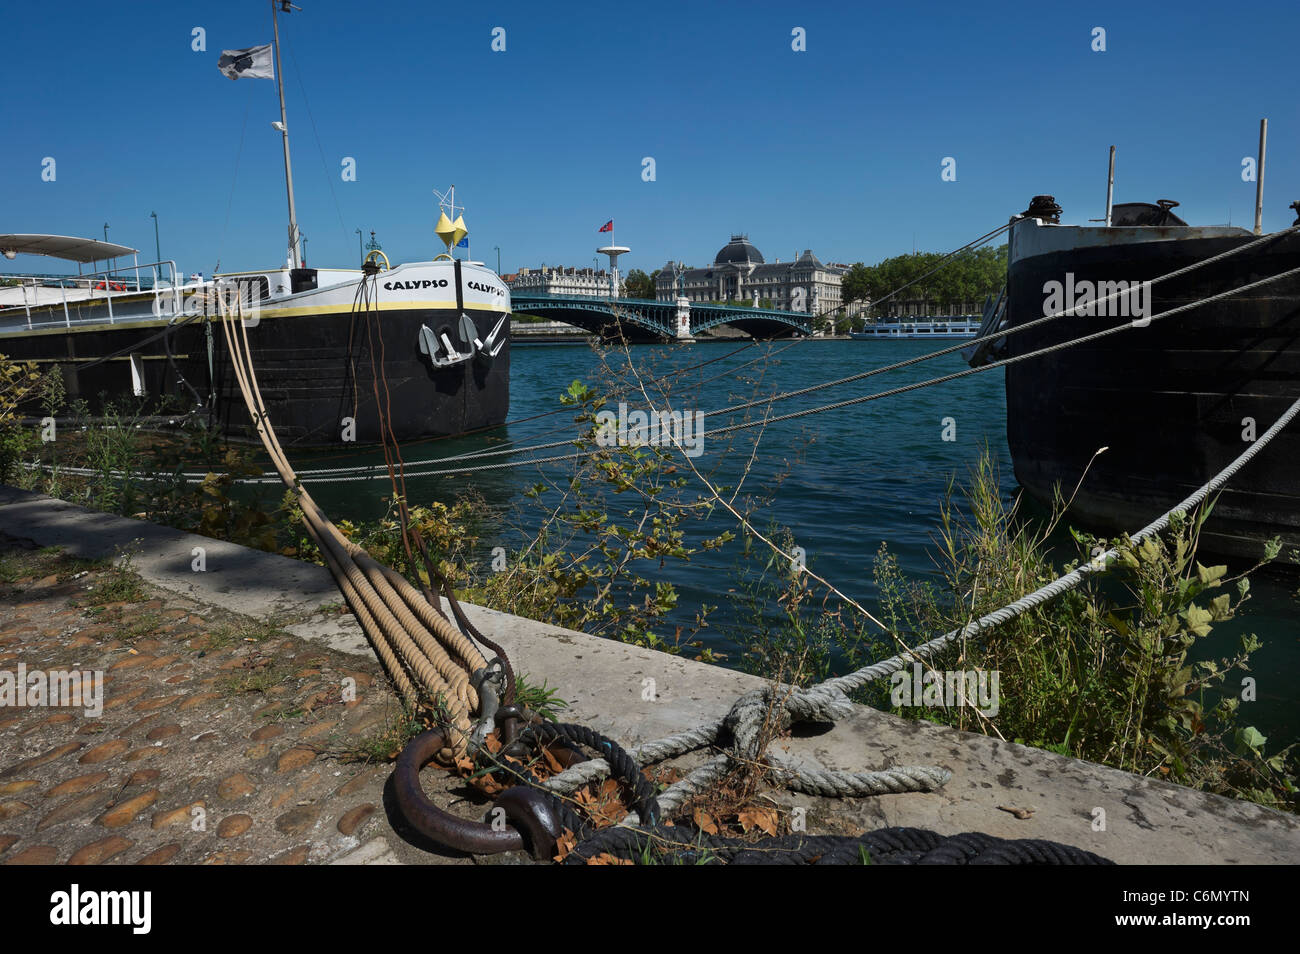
741	275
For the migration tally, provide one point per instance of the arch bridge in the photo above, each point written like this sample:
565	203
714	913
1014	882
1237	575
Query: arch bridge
641	319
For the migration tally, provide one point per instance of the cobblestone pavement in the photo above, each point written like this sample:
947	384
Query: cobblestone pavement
222	740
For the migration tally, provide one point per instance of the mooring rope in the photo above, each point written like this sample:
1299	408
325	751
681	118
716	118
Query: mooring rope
829	698
885	846
413	640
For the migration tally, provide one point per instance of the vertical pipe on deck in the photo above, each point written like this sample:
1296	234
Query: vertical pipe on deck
1110	187
1259	178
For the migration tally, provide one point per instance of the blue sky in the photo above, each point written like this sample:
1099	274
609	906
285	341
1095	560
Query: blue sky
837	148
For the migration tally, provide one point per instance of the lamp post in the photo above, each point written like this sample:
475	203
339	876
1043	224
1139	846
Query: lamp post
498	248
361	254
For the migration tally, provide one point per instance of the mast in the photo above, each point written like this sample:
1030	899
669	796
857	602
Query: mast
295	256
1259	178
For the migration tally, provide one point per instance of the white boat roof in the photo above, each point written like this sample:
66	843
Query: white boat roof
67	247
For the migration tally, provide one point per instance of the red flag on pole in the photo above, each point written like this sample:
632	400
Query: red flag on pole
607	227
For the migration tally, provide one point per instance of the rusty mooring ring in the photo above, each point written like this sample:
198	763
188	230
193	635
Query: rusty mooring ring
431	821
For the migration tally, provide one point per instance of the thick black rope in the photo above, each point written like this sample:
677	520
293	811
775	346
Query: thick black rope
657	843
623	768
665	844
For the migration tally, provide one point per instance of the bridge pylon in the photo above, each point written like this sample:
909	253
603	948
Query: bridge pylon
683	320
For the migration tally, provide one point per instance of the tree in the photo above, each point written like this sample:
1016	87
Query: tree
637	284
964	278
856	283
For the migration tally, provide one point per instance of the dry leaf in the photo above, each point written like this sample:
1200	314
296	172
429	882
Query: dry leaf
705	822
555	764
607	859
565	844
763	818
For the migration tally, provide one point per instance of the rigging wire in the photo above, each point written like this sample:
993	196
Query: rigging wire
560	410
766	421
902	389
234	180
983	239
329	180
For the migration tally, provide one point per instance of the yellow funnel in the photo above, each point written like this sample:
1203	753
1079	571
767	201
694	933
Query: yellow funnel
459	230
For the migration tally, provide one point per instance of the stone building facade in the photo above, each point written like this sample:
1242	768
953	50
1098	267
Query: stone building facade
740	275
558	280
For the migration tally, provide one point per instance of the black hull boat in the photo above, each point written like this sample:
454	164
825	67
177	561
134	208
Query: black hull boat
316	357
1173	401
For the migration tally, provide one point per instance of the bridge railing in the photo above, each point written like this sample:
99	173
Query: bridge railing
659	303
659	317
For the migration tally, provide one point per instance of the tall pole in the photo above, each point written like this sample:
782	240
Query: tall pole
361	253
1259	178
295	256
498	248
157	245
1110	187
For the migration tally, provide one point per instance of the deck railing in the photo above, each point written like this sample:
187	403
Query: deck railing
160	278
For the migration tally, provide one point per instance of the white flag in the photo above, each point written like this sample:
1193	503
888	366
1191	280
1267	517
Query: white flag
252	63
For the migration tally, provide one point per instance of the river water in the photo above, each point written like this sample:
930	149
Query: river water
844	481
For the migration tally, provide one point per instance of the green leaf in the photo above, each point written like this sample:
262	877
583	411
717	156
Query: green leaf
1209	576
1221	608
1198	620
1250	738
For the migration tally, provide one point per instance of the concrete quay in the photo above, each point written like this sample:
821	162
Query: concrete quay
268	769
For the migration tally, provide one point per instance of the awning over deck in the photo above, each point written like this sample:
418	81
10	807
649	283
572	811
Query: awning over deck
66	247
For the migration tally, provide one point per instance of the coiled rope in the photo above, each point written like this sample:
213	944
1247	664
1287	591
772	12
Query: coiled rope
649	839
